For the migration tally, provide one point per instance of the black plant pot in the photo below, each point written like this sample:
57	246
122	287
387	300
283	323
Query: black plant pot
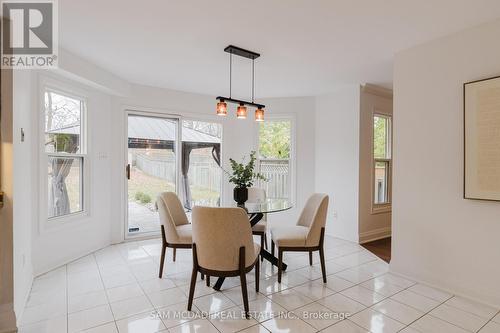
240	195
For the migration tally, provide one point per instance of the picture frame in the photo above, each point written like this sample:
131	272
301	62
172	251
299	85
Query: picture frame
482	139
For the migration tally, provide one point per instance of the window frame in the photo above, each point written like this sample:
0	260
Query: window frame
293	161
49	85
385	207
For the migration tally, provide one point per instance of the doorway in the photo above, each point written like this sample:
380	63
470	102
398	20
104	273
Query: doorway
152	165
167	153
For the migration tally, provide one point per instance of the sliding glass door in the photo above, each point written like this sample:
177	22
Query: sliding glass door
152	153
167	154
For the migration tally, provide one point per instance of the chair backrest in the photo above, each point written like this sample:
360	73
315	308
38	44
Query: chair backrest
218	234
172	214
313	216
256	194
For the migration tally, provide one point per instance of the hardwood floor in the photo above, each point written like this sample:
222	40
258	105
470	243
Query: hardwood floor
381	248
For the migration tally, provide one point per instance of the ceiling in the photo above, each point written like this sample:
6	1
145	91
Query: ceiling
307	47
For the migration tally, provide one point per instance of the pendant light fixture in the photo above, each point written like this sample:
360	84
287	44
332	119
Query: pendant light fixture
241	111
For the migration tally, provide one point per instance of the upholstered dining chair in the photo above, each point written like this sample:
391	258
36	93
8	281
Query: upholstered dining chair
307	235
256	194
223	247
175	226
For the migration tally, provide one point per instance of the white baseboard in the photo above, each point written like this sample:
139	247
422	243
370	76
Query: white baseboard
7	318
374	235
443	288
67	260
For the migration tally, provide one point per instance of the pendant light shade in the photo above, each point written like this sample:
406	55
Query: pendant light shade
222	108
241	112
259	114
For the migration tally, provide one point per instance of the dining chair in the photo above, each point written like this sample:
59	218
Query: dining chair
256	194
175	227
223	247
307	235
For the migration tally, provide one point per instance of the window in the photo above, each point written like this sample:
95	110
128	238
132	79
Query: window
65	151
382	160
201	172
275	150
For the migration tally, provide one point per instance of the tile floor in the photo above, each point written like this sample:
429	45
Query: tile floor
116	290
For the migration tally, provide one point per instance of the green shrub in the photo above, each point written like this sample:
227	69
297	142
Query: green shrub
138	196
142	197
146	198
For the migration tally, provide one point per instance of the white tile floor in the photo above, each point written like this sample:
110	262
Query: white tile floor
116	290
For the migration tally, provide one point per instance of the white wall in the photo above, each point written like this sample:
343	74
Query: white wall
438	237
337	158
23	188
372	225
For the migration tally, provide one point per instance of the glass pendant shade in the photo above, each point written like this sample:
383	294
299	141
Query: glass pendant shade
221	108
241	112
259	114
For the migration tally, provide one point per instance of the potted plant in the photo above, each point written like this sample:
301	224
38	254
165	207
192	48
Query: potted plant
242	177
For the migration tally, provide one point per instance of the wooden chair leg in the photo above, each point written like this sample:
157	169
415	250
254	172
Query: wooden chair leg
208	280
262	243
202	276
257	275
162	259
322	259
272	247
243	281
310	258
193	279
265	241
175	252
280	263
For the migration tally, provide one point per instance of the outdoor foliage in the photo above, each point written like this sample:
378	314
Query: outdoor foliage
379	137
244	175
274	139
142	197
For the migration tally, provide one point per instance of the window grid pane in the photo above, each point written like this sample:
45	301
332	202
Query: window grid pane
62	123
381	186
275	141
65	186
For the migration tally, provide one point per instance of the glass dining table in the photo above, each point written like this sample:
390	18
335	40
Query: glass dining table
256	211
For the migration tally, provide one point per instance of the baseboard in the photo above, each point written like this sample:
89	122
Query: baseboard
20	312
68	260
443	288
374	235
7	318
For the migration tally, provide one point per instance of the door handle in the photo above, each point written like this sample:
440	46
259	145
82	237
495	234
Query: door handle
127	171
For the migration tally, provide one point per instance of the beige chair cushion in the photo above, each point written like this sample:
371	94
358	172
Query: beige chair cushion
218	234
173	217
185	233
256	194
307	232
293	236
313	216
261	226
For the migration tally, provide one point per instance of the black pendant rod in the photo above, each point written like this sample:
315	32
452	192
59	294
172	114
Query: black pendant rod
253	77
239	101
230	72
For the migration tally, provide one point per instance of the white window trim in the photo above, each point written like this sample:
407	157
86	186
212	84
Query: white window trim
385	207
293	159
56	223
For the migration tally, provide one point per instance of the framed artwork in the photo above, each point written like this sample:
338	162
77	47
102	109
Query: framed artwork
482	139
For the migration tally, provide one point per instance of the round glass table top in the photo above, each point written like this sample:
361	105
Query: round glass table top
268	206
